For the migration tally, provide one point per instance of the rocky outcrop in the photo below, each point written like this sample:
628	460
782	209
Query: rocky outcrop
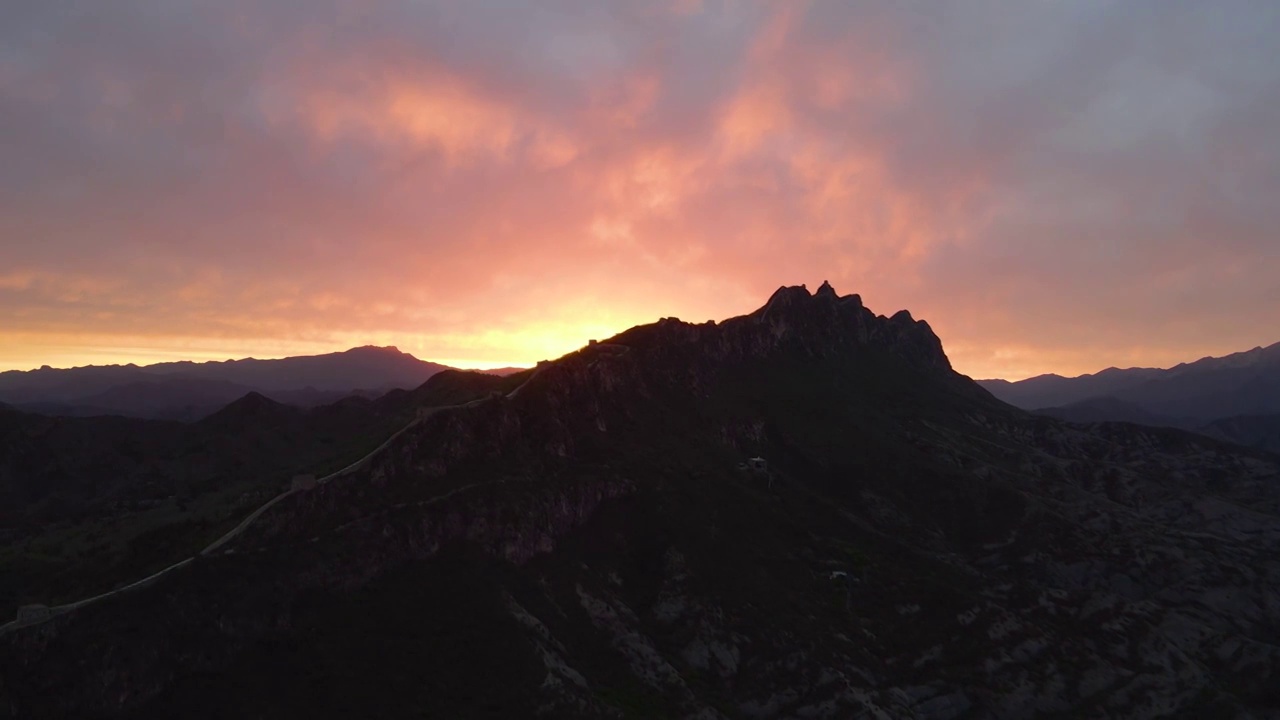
796	322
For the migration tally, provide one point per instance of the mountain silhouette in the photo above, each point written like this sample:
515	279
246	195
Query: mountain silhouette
188	390
798	512
1188	395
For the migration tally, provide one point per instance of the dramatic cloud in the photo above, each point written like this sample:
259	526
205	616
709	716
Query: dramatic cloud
1054	186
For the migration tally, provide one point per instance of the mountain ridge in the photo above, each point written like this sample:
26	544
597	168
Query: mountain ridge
589	547
187	390
1194	393
1258	351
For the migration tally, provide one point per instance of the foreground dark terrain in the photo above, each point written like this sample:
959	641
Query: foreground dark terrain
585	541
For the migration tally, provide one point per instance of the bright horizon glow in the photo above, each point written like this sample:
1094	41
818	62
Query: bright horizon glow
554	347
72	357
143	358
494	183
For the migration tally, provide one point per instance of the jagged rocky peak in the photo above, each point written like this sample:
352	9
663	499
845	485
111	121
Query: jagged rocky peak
787	296
798	297
826	322
794	325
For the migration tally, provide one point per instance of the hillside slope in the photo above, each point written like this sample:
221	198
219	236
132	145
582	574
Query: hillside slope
87	503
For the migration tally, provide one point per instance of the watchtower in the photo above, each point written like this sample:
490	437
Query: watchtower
28	614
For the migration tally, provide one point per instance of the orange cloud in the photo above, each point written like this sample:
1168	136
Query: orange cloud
431	110
757	115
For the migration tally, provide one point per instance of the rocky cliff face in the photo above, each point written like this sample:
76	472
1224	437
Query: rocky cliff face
590	547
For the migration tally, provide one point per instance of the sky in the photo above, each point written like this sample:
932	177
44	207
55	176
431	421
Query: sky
1054	186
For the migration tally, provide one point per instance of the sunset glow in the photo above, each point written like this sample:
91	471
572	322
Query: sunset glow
488	184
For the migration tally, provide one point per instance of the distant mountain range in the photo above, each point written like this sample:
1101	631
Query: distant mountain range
189	390
1236	397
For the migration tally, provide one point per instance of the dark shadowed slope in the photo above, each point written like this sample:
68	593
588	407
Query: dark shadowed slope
89	503
1110	409
161	398
593	546
1258	431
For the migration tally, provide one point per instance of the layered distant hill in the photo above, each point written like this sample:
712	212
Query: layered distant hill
1227	397
1260	431
1238	384
190	390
